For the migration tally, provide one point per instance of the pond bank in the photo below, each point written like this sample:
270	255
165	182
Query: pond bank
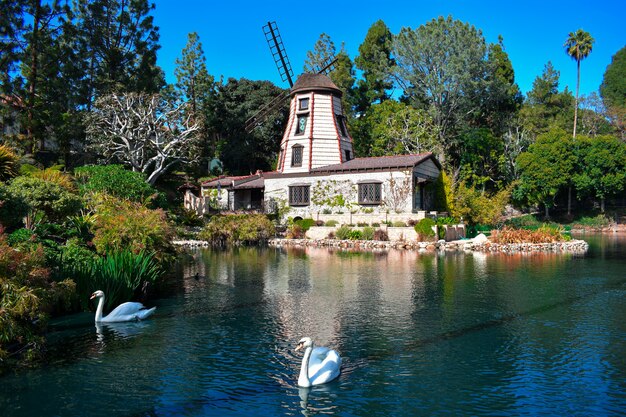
572	246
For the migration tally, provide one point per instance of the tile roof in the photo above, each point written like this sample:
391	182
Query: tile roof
376	163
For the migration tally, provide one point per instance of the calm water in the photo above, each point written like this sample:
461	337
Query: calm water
420	334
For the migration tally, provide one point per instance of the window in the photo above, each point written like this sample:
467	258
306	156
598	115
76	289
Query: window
342	125
304	104
299	195
296	155
370	193
301	124
347	152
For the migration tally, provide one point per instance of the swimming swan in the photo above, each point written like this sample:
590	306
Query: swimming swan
319	365
124	312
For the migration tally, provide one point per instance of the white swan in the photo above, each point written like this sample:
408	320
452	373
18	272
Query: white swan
319	365
124	312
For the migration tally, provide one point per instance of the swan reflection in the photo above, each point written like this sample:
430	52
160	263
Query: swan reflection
123	330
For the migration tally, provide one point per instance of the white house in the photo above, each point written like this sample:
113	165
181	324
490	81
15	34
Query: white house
317	174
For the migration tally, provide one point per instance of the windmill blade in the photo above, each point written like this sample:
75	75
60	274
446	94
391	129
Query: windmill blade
327	66
260	116
277	48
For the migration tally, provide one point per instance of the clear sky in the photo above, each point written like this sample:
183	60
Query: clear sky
533	31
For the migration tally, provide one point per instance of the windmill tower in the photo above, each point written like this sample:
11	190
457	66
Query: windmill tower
316	134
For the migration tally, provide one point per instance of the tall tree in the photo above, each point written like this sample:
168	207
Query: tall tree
117	42
143	131
445	63
578	46
195	85
613	90
546	169
376	62
323	50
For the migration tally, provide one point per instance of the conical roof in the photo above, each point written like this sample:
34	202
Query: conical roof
315	82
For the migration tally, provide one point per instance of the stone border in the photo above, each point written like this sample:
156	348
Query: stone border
572	246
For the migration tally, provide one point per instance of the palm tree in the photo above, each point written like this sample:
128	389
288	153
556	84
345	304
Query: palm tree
578	45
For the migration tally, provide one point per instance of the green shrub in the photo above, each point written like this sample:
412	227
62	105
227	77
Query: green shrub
119	275
125	225
368	233
296	232
238	229
114	180
441	223
361	224
424	228
27	296
598	221
355	235
399	224
332	223
305	224
20	236
343	233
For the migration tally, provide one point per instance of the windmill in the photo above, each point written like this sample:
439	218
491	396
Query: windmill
277	49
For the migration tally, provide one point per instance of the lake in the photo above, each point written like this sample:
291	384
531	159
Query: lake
419	334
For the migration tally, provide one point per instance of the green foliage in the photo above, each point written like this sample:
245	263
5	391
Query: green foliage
119	274
343	233
125	225
613	87
114	180
367	233
396	128
296	231
331	223
8	163
45	199
238	229
477	207
546	168
305	224
355	235
19	237
424	228
399	224
12	208
602	167
482	158
27	295
598	221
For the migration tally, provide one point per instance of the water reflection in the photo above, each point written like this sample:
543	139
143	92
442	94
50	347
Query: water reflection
419	334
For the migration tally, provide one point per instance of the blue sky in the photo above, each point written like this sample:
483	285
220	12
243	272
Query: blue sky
533	31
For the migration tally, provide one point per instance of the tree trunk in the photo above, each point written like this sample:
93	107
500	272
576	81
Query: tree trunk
547	211
602	205
32	82
569	200
576	102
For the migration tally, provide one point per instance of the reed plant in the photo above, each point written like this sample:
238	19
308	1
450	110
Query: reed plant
119	274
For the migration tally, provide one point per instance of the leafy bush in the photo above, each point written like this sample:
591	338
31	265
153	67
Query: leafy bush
368	233
332	223
119	275
126	225
598	221
361	224
296	232
479	207
56	176
381	235
238	229
27	295
44	199
343	233
424	228
441	223
305	224
545	234
114	180
525	221
355	235
399	224
19	237
8	163
12	208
